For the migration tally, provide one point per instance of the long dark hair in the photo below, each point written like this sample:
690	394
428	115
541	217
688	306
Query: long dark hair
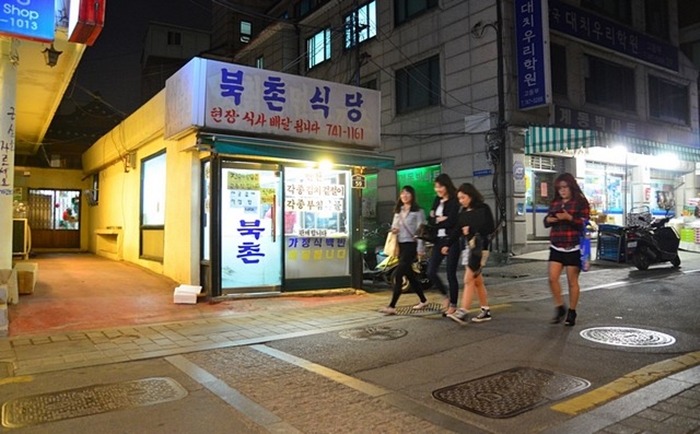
445	180
414	204
576	192
473	193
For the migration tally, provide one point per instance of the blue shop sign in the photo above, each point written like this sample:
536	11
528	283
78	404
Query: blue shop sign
532	53
28	19
606	33
482	172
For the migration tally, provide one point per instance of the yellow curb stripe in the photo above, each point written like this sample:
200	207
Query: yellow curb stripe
632	381
15	380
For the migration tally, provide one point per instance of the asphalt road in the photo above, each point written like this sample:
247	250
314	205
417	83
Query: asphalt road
326	382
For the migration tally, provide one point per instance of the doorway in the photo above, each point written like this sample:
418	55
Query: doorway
54	218
251	228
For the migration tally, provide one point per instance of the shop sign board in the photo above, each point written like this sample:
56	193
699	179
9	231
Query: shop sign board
532	53
28	19
597	30
228	97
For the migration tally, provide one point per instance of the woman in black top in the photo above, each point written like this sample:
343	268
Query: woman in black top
475	224
443	215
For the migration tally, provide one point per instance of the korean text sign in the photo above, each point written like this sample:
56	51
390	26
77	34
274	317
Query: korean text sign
252	100
532	53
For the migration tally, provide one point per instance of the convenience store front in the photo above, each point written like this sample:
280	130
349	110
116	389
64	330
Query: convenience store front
618	174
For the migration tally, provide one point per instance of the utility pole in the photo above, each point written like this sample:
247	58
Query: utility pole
501	127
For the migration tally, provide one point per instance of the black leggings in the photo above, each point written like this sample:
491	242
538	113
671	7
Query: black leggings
407	255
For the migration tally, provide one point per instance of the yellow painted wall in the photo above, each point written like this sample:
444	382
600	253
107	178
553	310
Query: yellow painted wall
120	191
57	179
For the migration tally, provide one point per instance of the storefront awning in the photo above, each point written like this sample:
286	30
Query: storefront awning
648	147
553	139
265	148
549	139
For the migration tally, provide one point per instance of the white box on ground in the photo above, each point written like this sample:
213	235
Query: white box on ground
186	294
4	318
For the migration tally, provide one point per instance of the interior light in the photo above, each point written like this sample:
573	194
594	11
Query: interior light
325	165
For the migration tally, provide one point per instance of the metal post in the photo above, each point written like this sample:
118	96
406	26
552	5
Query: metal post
501	129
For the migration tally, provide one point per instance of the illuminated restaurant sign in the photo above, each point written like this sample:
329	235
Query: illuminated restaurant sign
230	97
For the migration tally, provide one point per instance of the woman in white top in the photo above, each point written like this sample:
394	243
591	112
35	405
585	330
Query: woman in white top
408	216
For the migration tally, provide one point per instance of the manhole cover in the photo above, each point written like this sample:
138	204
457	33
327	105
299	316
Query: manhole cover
373	334
628	337
509	393
85	401
431	308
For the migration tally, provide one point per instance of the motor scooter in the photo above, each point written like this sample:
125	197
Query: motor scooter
384	269
650	241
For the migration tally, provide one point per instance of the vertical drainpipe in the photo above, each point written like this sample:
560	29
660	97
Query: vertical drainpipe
8	97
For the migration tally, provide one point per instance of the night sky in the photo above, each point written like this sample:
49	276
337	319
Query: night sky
112	66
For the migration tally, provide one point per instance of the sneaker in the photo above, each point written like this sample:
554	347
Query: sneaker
559	313
570	318
460	315
388	310
484	315
420	305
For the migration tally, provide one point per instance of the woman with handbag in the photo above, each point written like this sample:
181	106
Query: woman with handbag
566	218
408	217
443	217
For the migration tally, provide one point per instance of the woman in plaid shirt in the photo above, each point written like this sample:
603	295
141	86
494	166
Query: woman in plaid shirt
567	214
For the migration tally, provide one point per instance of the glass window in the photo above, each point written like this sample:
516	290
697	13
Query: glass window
667	100
610	85
558	73
174	38
404	10
656	18
153	191
259	63
418	86
364	20
620	10
316	229
318	47
246	31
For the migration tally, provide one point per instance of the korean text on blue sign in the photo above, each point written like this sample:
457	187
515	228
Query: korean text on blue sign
254	100
28	19
600	31
532	37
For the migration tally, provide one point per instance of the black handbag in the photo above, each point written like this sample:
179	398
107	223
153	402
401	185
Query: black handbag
427	232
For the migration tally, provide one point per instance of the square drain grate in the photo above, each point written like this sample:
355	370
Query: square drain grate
509	393
85	401
430	309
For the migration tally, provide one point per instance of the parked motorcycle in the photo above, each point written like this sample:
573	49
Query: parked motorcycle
650	241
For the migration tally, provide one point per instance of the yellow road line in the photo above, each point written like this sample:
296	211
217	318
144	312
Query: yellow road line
632	381
13	380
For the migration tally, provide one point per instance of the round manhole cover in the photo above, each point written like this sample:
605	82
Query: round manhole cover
373	334
628	337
